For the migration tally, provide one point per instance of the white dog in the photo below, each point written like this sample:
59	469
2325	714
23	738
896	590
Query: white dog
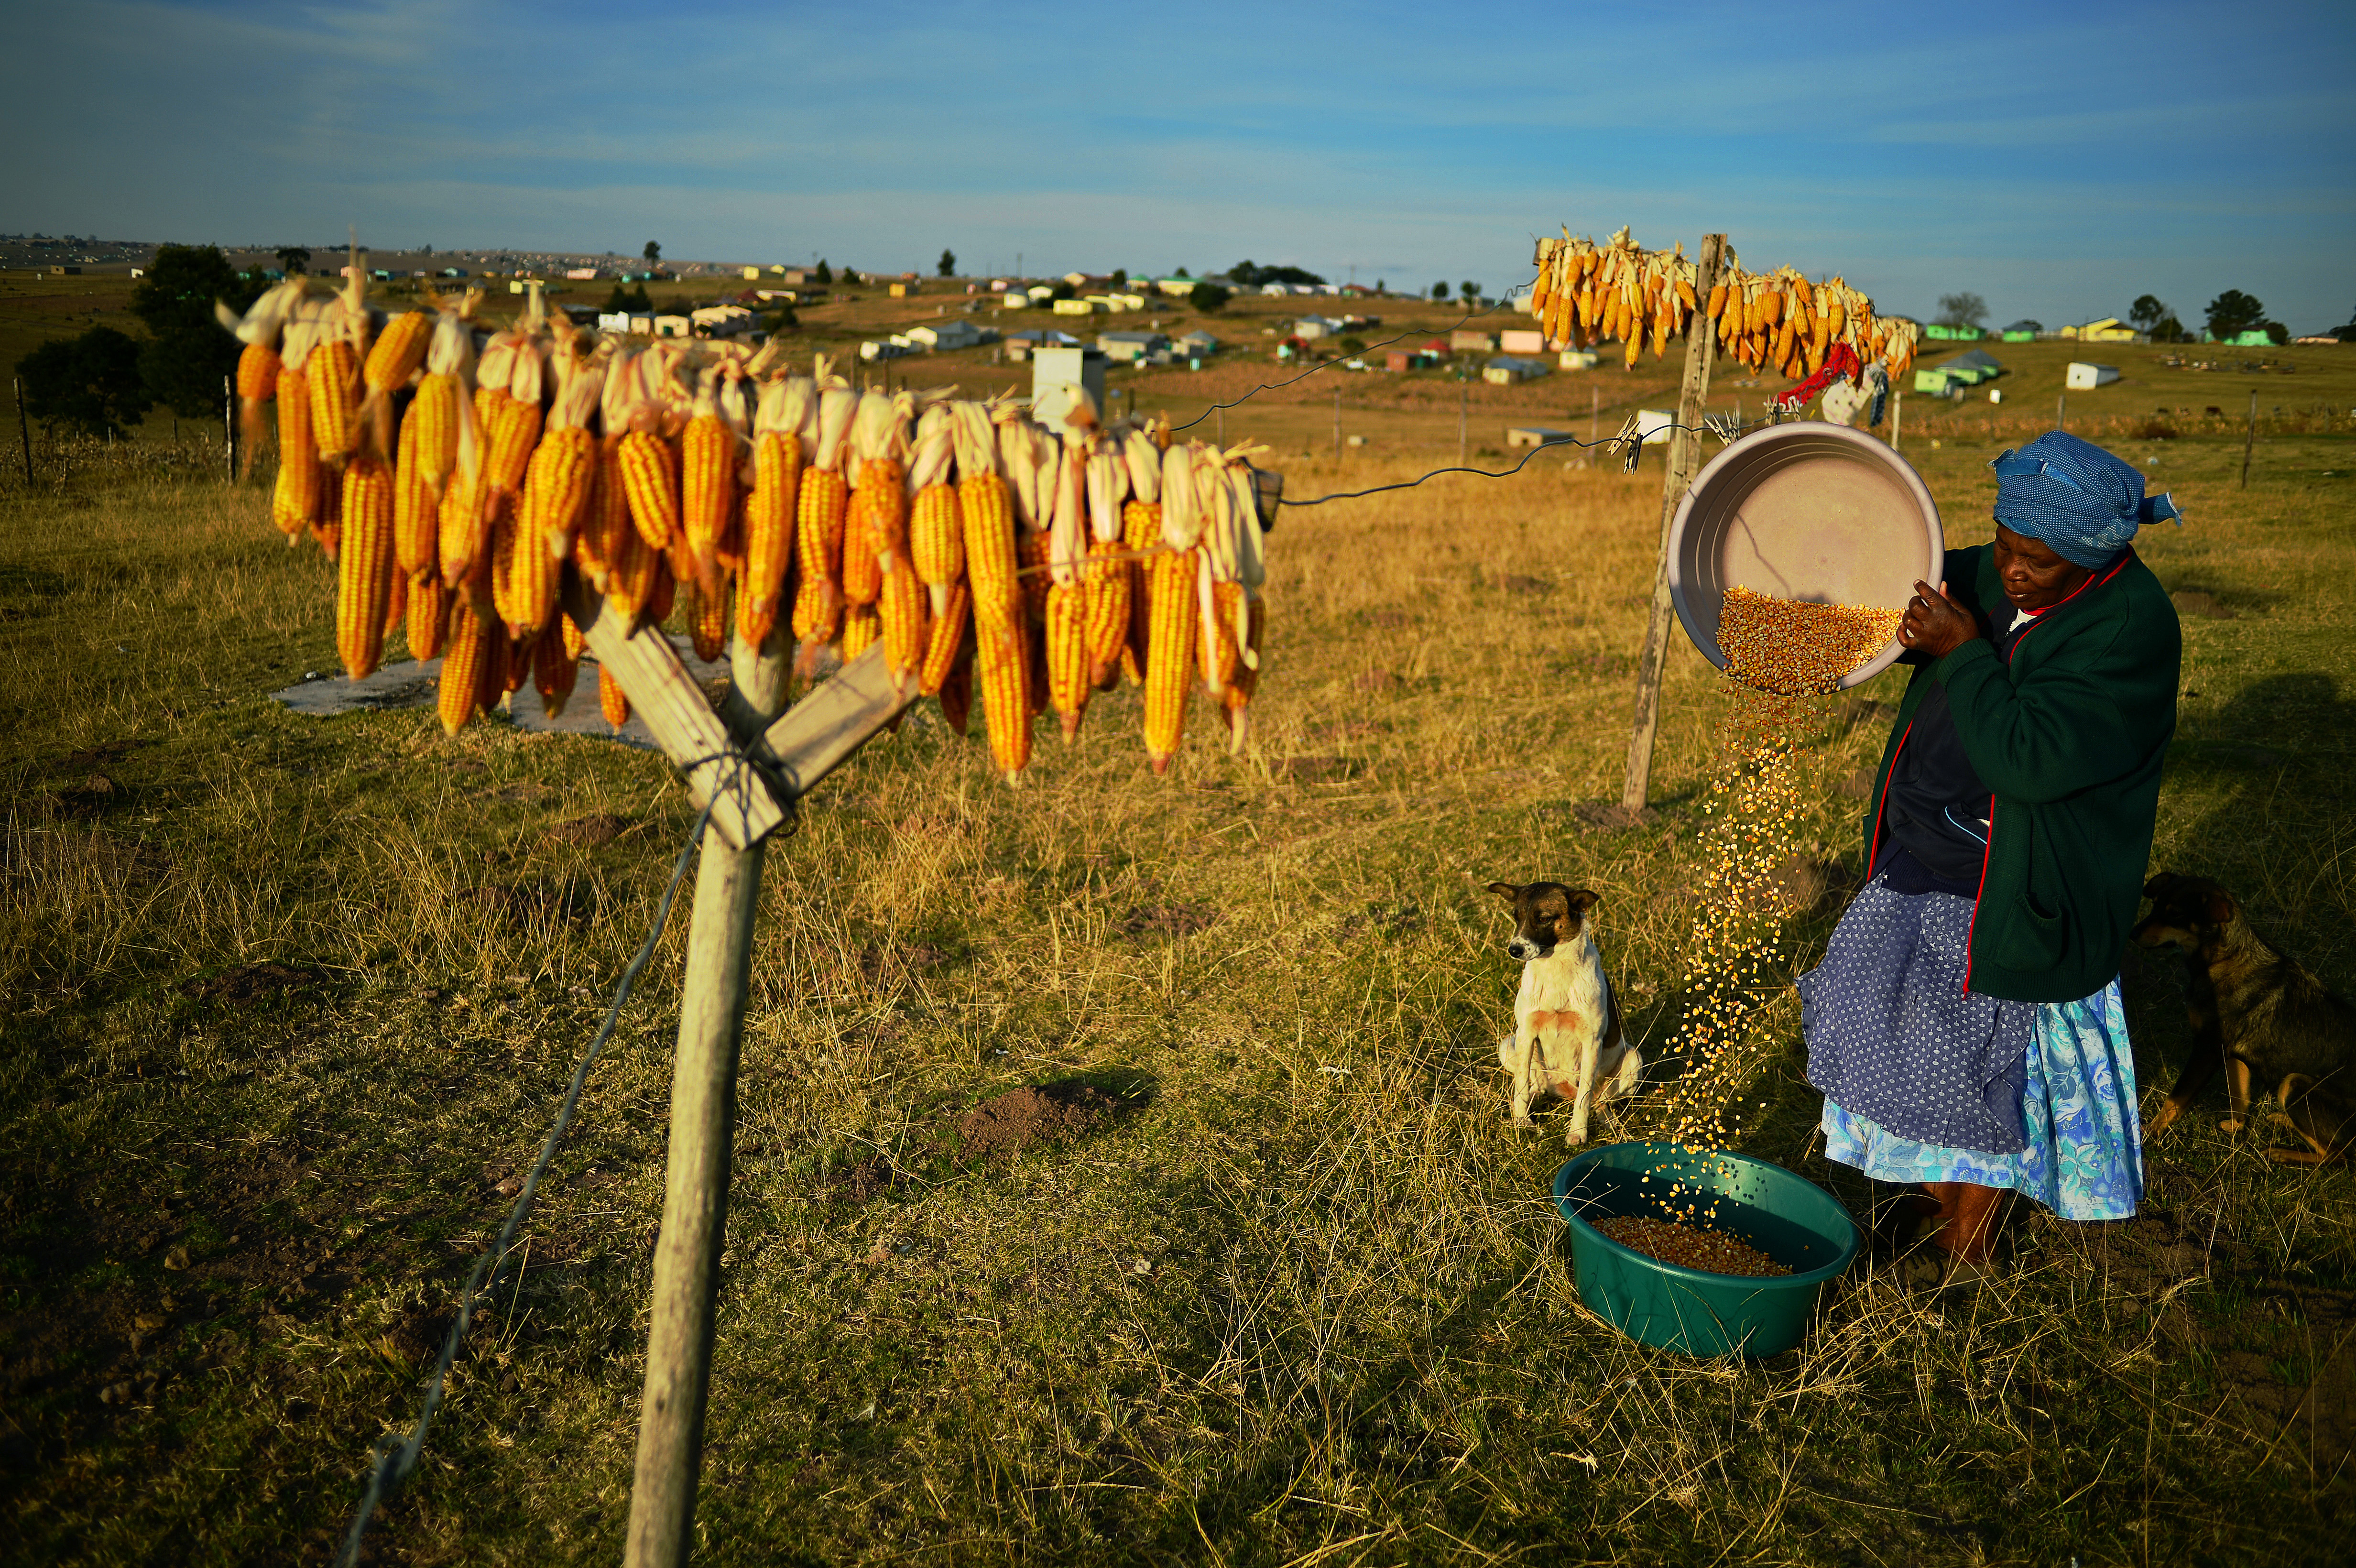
1566	1038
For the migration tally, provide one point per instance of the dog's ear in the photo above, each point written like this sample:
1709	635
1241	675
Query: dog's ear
1581	901
2220	907
1505	891
2158	887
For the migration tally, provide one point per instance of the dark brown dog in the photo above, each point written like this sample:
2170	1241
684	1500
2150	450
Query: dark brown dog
2316	1115
2251	1009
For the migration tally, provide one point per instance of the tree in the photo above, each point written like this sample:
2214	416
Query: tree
2168	329
948	262
1181	272
634	301
90	383
1209	298
1381	287
294	261
825	275
2146	311
2277	332
1120	277
1246	275
1440	291
1964	309
2233	313
187	354
1469	293
653	252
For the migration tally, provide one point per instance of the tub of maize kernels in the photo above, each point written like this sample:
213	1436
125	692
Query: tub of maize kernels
1817	513
1791	1220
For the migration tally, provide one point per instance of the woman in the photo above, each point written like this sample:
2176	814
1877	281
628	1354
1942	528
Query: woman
1966	1026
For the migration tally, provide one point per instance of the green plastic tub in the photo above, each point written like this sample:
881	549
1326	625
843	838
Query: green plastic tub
1787	1217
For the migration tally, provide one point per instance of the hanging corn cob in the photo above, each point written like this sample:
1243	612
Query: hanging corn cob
297	496
511	412
460	695
936	538
563	466
555	667
259	330
613	702
708	476
770	512
901	603
333	371
397	354
364	572
428	617
1172	610
821	514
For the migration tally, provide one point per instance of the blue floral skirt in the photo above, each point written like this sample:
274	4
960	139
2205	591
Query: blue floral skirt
2084	1154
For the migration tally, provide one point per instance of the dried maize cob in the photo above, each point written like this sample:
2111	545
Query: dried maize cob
863	570
1219	636
903	609
662	597
1068	655
333	371
1107	595
294	499
607	524
531	574
416	523
1034	550
364	571
612	700
459	698
1170	579
1140	534
555	667
936	538
515	673
650	484
822	511
1238	695
398	353
707	620
396	602
769	525
861	627
557	487
947	640
429	616
956	688
1000	662
986	518
707	484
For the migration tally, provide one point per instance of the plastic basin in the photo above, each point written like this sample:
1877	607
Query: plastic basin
1787	1217
1818	513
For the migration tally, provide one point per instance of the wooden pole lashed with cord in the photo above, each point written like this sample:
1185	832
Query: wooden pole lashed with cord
1684	458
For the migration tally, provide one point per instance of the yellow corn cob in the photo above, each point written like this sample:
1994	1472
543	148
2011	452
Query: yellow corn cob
986	510
556	487
630	578
531	582
334	371
769	528
460	696
661	596
650	484
707	492
947	639
500	548
575	641
1140	535
1001	660
466	530
516	667
607	521
364	571
429	618
821	514
861	628
1239	693
396	602
1106	598
1170	587
937	541
1068	655
707	620
902	607
612	700
431	423
399	351
555	667
888	476
416	525
514	430
862	572
294	500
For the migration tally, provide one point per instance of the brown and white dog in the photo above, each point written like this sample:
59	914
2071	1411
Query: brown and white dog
1566	1038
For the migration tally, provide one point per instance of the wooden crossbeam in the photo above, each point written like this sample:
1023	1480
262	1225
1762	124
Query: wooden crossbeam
743	809
822	731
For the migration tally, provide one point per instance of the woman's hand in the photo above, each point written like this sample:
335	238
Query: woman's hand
1935	624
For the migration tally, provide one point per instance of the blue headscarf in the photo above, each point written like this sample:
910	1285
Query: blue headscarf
2082	502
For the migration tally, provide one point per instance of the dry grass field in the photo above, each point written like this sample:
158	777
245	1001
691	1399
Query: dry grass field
289	1004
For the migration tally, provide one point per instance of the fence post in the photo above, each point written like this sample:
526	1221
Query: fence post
1684	453
229	424
25	431
1464	412
2249	439
703	1138
2062	411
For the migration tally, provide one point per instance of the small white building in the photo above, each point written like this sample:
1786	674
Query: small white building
673	326
1506	370
1520	340
949	336
1041	293
1576	359
1077	307
1018	299
2085	378
1128	348
722	320
1309	327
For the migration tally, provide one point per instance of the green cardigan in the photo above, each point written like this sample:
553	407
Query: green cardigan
2069	736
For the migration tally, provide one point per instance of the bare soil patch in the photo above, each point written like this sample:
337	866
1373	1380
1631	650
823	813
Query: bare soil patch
1033	1115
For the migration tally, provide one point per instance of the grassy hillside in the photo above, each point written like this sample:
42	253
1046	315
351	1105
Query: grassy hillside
289	1003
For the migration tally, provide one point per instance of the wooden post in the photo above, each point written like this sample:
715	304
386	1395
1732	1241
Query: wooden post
703	1139
1594	402
1464	412
1337	423
1897	415
25	431
2249	438
1685	457
229	424
2062	411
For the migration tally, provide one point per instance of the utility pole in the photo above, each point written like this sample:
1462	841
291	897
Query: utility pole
2062	411
2249	438
1338	423
1594	400
1464	412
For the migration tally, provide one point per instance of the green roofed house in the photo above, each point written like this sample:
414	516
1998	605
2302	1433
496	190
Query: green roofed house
1951	376
1953	333
2022	332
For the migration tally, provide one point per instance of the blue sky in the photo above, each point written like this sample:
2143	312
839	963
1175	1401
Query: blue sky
2059	160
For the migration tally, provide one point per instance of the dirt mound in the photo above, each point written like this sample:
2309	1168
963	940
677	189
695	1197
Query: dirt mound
855	1185
1034	1114
247	983
1168	920
597	828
